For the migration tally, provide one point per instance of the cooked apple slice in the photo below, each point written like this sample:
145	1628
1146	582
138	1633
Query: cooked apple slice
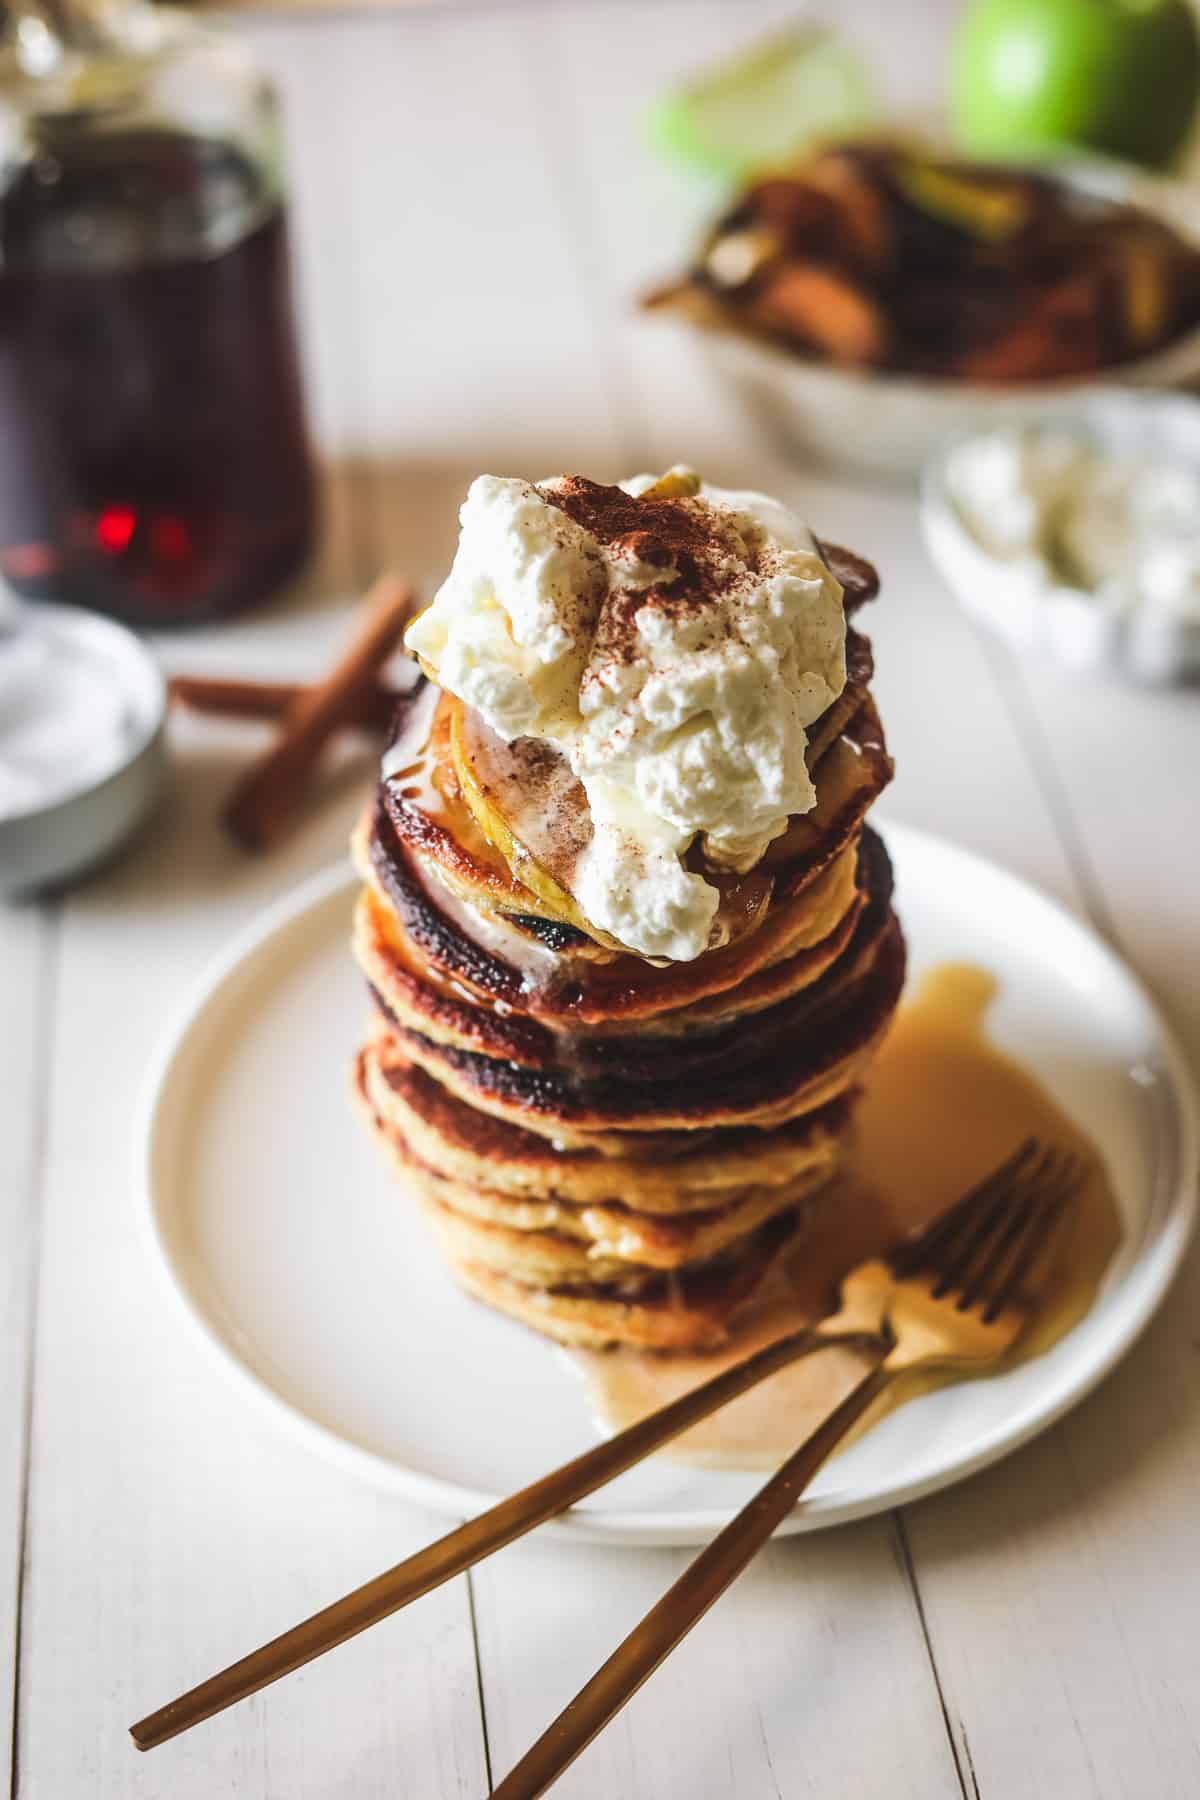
1142	264
533	810
989	209
821	307
743	902
1058	334
676	484
528	803
864	229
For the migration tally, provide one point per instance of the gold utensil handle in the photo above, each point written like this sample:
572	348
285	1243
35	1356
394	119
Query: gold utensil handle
459	1549
670	1620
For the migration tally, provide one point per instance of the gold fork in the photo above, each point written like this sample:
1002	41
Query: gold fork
858	1324
958	1297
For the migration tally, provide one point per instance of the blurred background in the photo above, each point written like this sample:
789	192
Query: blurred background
278	281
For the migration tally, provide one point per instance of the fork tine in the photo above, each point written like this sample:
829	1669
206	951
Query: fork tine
976	1248
941	1237
1038	1232
1036	1192
974	1270
994	1255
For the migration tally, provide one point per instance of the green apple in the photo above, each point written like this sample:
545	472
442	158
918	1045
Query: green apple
1121	76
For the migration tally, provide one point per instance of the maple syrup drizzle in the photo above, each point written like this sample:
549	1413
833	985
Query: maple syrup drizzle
942	1107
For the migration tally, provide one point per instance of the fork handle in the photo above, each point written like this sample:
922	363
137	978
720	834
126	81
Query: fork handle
479	1537
670	1620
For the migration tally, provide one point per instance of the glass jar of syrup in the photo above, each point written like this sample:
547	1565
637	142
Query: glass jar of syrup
154	461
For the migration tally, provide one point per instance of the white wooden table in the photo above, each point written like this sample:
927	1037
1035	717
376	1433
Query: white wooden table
474	208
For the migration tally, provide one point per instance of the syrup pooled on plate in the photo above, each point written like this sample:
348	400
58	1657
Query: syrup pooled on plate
942	1108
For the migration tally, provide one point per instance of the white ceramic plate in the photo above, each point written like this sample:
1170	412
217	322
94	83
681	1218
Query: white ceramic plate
293	1252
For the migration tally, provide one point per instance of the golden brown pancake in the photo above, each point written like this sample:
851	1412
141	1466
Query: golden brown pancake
587	1068
682	1039
804	1071
661	1312
593	1244
565	1240
676	1171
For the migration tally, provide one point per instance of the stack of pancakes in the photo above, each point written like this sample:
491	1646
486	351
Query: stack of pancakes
611	1150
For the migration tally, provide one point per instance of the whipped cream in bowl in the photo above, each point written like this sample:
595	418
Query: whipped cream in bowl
1079	541
673	642
82	757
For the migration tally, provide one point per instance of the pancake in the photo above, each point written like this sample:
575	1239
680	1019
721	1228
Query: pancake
662	1312
677	1171
684	1039
464	946
549	1242
466	942
853	774
688	1228
602	1243
815	1064
612	1149
860	666
858	578
429	1003
586	1061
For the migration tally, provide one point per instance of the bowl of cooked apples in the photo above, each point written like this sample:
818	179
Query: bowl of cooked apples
877	299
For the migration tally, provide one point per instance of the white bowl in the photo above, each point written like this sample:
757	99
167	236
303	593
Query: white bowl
1035	614
47	845
889	424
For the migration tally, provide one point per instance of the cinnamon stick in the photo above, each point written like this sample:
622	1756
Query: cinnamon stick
265	798
234	697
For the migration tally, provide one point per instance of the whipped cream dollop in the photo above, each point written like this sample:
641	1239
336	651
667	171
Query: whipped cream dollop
674	641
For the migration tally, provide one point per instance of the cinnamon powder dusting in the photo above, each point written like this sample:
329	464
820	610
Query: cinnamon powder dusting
703	555
657	529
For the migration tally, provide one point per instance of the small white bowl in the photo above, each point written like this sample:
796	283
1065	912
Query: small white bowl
889	424
47	845
1072	625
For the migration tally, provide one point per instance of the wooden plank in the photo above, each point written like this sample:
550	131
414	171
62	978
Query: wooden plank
312	64
170	1529
1119	764
472	347
808	1678
27	942
1061	1591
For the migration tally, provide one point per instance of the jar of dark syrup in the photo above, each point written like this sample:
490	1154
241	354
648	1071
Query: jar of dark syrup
154	461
